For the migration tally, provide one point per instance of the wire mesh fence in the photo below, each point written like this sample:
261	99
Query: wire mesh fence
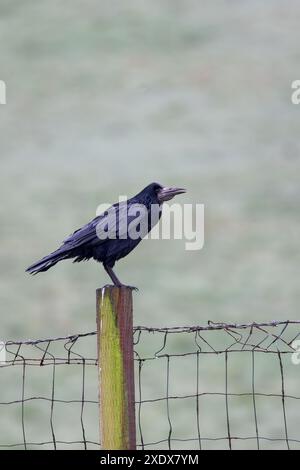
204	387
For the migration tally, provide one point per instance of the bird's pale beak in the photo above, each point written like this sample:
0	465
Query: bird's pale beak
165	194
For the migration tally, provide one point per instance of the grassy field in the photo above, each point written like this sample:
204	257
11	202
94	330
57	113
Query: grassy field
105	97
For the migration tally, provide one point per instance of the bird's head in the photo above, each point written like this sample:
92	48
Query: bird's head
163	193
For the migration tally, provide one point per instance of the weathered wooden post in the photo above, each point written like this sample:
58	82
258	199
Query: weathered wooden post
116	368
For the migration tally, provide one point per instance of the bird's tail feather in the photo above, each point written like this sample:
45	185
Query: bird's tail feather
48	261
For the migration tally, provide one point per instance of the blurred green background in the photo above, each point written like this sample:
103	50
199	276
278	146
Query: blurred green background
105	97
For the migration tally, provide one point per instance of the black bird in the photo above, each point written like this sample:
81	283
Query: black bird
113	234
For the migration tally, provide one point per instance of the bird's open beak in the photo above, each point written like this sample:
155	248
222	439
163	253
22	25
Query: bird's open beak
165	194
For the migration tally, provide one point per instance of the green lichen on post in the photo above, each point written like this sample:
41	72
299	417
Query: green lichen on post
112	385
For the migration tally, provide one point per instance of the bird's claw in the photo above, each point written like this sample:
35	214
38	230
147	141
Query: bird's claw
135	289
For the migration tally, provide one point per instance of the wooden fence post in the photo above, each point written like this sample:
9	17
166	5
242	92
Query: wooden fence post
116	368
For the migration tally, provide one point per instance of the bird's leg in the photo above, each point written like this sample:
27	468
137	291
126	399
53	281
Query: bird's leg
112	275
115	279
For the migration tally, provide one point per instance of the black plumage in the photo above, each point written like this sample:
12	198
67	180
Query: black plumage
113	234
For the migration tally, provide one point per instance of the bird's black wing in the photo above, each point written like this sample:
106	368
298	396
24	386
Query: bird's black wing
115	223
119	222
99	229
85	235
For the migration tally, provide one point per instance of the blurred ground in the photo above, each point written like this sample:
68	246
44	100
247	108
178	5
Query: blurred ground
105	98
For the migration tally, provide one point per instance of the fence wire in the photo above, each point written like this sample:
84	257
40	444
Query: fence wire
216	386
